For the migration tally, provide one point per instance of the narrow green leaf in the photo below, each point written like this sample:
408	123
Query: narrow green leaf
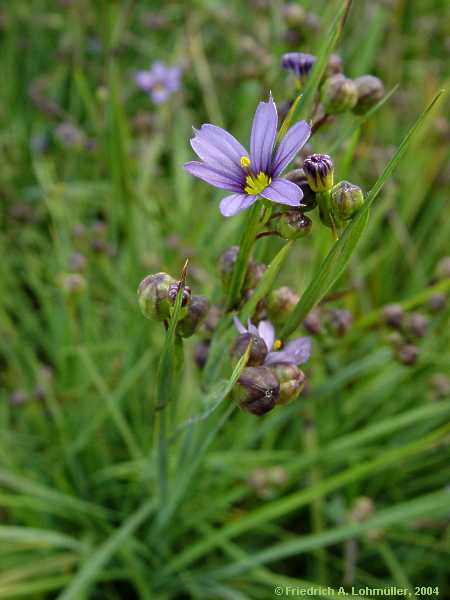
334	264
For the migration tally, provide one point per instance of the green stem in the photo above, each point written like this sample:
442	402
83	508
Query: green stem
248	238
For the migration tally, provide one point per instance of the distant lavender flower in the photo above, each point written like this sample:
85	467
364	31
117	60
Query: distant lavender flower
160	81
298	62
226	164
296	352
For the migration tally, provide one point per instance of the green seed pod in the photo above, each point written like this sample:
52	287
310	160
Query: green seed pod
153	295
292	225
281	303
258	350
292	382
338	94
370	90
196	313
257	390
346	199
319	171
309	201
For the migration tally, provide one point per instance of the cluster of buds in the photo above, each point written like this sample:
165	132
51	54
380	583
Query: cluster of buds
272	376
157	295
338	93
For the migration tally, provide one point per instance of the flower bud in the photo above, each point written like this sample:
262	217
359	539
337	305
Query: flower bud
227	260
437	301
369	90
417	324
313	321
346	199
319	171
334	65
173	292
362	509
408	354
442	270
340	321
298	62
201	352
294	14
393	315
153	295
338	94
293	225
281	303
73	283
258	390
196	313
258	351
292	381
308	202
255	271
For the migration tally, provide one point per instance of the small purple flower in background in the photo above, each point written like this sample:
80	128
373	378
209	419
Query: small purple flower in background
298	62
227	165
295	352
160	81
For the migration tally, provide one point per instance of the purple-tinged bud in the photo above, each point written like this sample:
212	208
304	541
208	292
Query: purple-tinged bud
292	225
173	292
73	283
346	200
313	322
308	202
212	319
417	324
338	94
408	354
298	62
369	90
281	303
153	296
258	351
292	381
196	313
442	270
258	390
294	14
254	274
340	321
201	353
319	171
334	66
393	315
440	384
437	301
77	261
227	260
18	397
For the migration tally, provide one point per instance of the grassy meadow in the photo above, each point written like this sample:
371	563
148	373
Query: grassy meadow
126	469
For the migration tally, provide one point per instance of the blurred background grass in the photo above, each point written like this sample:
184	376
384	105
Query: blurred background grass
94	198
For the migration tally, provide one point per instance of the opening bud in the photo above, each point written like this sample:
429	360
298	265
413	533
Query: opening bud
258	351
346	199
292	225
196	312
339	93
153	296
173	292
298	62
258	390
369	90
309	201
319	171
292	382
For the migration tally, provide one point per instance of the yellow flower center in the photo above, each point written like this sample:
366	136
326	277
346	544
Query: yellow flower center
256	183
277	344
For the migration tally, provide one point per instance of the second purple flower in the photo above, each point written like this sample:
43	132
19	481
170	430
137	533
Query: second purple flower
227	165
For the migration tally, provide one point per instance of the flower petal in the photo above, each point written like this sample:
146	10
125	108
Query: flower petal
213	176
267	331
160	95
234	204
294	139
219	149
295	352
283	192
238	324
251	328
145	80
264	131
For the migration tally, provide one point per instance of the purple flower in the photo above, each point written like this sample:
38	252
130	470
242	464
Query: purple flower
298	62
295	352
160	81
226	164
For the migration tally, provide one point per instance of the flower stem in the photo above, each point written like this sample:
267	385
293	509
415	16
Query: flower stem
248	238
